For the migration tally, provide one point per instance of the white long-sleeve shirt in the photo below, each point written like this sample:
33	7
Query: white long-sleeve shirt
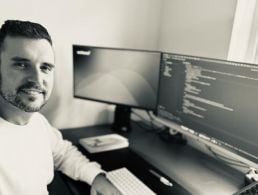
29	154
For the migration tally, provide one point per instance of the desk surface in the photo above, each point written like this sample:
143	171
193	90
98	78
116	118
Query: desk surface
190	168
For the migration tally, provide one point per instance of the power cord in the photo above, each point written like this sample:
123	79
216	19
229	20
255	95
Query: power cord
227	160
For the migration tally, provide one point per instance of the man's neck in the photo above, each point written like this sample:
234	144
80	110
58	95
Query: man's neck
13	114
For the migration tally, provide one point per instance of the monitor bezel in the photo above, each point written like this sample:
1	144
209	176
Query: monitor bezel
228	146
110	102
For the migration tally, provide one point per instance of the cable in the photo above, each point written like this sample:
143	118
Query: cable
152	128
151	119
227	160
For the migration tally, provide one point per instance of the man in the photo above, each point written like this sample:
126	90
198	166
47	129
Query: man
30	148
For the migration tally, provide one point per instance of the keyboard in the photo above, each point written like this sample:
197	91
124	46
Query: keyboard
127	183
251	189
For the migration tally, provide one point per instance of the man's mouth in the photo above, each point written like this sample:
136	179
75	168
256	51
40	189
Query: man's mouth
32	91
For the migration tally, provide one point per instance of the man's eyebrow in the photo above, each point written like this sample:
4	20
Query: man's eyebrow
20	59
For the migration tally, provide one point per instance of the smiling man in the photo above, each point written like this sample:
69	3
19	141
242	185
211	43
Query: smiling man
26	72
30	147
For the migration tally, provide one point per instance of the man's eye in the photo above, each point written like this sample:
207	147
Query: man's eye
46	68
21	65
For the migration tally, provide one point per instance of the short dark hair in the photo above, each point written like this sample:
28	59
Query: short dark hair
18	28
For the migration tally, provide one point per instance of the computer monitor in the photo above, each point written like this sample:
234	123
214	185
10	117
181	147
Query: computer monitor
216	98
124	77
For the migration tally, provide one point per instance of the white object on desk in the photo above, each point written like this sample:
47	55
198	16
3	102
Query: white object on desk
127	183
162	179
104	143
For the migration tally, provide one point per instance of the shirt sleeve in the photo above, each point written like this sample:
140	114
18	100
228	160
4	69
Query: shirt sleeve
69	160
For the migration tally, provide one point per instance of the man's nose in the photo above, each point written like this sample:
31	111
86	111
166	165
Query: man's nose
35	75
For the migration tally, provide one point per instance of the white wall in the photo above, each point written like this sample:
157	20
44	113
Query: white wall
114	23
197	27
244	38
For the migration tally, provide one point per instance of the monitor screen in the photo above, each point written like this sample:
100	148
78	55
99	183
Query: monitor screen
214	97
117	76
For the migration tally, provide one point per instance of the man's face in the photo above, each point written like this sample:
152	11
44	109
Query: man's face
26	72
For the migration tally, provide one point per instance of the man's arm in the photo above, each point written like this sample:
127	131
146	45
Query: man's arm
74	164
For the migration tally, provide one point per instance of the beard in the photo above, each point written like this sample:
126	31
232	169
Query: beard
24	101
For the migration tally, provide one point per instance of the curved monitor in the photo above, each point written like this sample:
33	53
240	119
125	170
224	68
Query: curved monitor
214	97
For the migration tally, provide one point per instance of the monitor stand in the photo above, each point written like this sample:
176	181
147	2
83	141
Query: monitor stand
122	119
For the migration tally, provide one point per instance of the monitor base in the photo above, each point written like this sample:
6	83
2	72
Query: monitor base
122	119
173	136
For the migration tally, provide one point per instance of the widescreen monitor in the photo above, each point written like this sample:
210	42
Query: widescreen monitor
216	98
123	77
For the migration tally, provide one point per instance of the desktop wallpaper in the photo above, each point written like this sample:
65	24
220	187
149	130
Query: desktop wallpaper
119	76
